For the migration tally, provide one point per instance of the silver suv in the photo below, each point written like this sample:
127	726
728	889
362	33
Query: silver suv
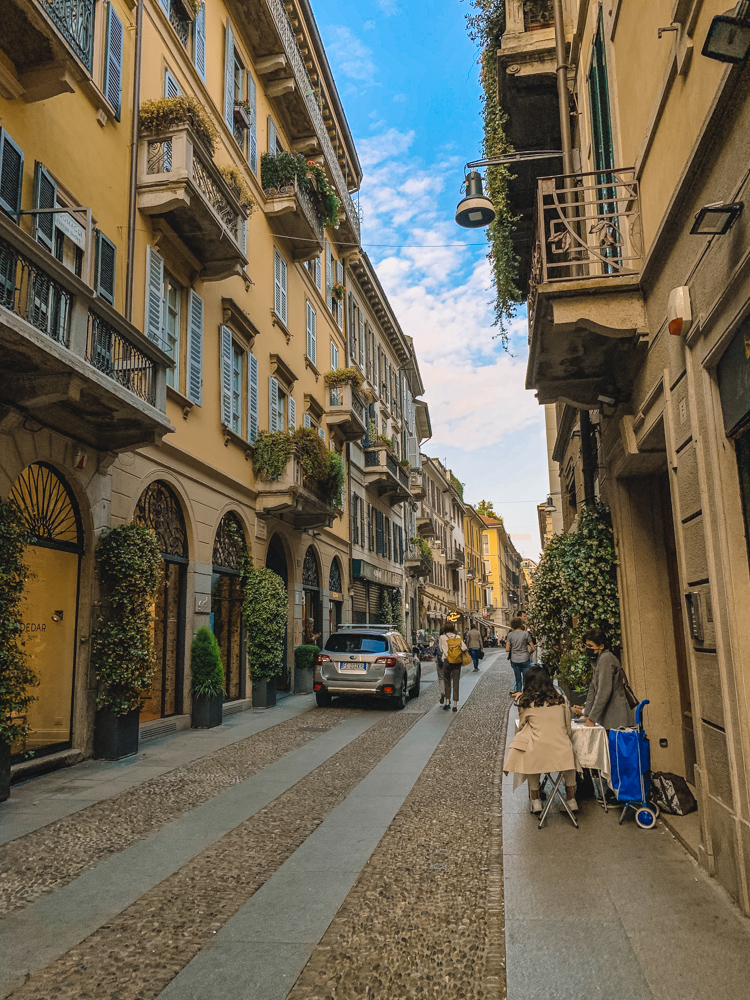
367	659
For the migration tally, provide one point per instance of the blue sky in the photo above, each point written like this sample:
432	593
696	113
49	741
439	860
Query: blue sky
409	81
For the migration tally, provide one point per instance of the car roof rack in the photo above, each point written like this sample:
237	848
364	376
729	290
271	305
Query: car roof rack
366	628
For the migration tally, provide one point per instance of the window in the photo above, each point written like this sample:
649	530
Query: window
315	267
113	61
334	356
311	330
276	405
252	398
195	350
355	519
486	546
199	43
171	86
274	146
11	175
172	300
236	389
601	122
279	286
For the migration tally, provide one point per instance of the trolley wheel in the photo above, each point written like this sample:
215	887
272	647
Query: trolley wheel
655	809
645	817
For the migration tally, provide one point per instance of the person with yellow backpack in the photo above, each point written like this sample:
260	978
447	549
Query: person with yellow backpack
455	655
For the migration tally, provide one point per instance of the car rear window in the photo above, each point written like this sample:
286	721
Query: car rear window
352	642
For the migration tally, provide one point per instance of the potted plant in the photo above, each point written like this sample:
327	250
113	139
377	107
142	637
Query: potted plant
16	676
337	291
206	680
122	645
265	607
166	113
242	114
339	377
304	667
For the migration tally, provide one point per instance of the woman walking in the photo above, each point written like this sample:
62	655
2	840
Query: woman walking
452	648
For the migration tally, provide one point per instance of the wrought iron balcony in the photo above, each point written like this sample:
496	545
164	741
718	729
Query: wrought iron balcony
179	182
585	307
417	562
455	559
293	498
345	412
384	476
293	216
70	360
50	44
425	523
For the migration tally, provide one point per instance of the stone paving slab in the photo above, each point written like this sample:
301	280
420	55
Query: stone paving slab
341	846
614	911
32	937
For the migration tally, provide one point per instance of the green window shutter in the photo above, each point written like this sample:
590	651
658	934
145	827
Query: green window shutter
229	76
195	350
106	268
113	60
45	196
273	405
199	43
11	175
253	130
154	317
252	398
225	359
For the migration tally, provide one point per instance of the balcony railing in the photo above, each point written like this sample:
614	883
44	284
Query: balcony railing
111	353
305	87
293	214
30	292
294	498
74	19
538	14
384	474
416	561
346	412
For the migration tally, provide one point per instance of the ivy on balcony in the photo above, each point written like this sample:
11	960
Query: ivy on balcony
287	170
170	112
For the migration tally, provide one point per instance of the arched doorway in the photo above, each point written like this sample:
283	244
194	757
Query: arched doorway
276	560
336	596
49	626
160	510
230	551
312	621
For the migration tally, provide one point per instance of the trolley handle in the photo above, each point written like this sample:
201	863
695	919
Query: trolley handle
639	711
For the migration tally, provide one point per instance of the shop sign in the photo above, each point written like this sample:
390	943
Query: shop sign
72	229
334	595
363	570
733	374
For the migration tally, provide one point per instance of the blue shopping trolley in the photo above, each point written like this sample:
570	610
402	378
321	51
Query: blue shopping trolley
630	759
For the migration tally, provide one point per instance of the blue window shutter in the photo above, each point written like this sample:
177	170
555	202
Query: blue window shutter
225	347
279	276
271	136
329	276
253	130
273	405
229	76
106	268
154	319
11	175
45	196
307	421
311	333
195	350
242	232
171	86
252	398
113	61
334	356
321	433
292	414
165	5
199	51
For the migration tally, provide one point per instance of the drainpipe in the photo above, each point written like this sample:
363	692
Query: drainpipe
588	457
134	163
563	97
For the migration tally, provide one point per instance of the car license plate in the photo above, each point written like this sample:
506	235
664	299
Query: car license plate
352	666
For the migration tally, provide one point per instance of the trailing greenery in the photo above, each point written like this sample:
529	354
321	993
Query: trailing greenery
122	645
271	453
421	545
304	657
487	509
457	485
16	676
339	377
323	467
206	668
265	610
166	113
385	611
287	169
485	26
336	478
397	608
239	188
574	589
381	439
196	5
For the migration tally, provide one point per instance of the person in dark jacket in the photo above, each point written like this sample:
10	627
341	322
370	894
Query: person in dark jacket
606	704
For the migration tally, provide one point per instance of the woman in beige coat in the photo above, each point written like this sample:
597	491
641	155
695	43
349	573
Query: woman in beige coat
542	743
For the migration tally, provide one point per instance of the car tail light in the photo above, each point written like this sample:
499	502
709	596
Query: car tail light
389	661
317	687
322	658
388	689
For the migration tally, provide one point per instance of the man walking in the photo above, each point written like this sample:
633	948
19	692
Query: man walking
475	644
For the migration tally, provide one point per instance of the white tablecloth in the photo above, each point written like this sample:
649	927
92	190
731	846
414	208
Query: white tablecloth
591	747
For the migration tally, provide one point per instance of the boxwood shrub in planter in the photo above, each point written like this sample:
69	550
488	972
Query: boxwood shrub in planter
304	668
16	676
206	680
265	614
122	646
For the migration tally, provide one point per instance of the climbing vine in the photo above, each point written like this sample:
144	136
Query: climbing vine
265	614
16	676
271	454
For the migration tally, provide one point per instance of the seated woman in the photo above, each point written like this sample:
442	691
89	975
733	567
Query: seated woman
542	743
606	704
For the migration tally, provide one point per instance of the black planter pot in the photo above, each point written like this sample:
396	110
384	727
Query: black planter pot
264	693
115	736
207	712
303	680
4	771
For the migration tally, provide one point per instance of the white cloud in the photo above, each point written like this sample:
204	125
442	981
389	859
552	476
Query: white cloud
352	57
389	7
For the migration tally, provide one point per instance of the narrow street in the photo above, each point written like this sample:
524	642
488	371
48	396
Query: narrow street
342	853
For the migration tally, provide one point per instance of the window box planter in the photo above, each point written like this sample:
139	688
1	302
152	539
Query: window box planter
115	736
4	771
264	692
241	117
207	712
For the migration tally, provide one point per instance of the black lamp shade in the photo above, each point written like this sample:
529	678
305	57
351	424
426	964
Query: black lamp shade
715	220
728	38
476	210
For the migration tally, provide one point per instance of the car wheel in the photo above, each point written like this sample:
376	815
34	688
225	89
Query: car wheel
414	693
323	699
402	697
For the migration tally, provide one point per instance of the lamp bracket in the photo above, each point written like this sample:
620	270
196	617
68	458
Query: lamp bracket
499	161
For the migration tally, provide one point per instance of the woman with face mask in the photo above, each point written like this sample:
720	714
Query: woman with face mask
606	704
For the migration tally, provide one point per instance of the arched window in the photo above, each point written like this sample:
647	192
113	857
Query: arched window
48	508
334	577
310	575
160	510
230	546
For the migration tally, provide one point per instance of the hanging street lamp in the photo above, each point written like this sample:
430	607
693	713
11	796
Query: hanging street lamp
728	38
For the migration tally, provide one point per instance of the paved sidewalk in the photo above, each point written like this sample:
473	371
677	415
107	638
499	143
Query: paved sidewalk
614	912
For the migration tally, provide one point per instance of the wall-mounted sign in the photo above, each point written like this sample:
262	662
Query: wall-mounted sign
72	229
